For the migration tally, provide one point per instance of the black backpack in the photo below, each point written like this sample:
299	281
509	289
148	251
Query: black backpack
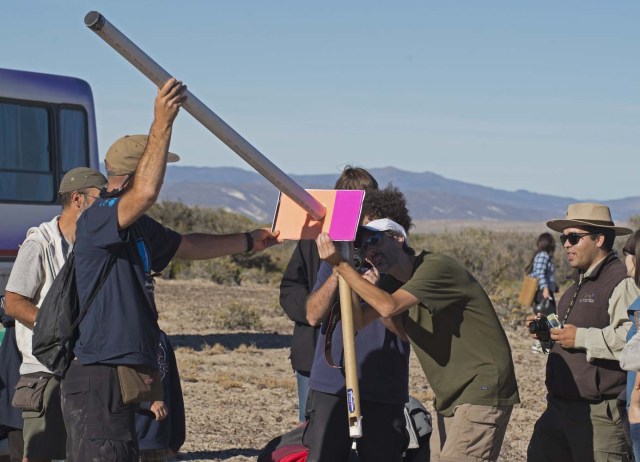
55	331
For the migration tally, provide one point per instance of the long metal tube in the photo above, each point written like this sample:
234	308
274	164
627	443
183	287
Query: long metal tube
354	412
130	51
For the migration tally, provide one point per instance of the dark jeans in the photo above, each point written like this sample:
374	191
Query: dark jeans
327	434
635	438
99	425
621	403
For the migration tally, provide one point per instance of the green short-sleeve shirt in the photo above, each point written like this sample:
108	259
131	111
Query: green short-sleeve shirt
457	336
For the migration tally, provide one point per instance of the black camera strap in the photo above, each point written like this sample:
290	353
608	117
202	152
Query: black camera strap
545	348
334	316
573	301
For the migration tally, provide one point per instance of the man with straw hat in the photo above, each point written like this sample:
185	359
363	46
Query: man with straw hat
583	378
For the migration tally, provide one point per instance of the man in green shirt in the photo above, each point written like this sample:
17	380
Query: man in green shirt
454	330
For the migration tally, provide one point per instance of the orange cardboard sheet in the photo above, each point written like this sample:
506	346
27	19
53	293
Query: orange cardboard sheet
341	220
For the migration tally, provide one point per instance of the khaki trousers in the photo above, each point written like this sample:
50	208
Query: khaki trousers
473	433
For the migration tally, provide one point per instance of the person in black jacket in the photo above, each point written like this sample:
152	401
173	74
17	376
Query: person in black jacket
297	282
10	417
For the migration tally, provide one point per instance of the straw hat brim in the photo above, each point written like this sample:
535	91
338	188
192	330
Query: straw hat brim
561	225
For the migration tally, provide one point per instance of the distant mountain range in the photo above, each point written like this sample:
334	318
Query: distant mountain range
429	196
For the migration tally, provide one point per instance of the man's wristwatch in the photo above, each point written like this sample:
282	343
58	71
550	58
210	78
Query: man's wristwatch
249	240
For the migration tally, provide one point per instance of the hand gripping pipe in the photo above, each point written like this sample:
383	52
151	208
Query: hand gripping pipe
119	42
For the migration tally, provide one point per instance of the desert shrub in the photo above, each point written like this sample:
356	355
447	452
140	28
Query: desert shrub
238	316
262	267
497	259
193	219
634	222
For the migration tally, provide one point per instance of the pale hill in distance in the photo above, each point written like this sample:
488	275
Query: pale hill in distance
431	197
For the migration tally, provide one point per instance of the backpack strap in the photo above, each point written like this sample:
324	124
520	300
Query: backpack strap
135	234
96	289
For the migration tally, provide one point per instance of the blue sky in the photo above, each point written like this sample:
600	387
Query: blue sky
537	95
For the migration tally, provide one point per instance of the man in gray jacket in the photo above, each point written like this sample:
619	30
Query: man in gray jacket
39	259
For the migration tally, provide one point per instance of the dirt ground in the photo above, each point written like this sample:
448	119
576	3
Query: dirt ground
238	385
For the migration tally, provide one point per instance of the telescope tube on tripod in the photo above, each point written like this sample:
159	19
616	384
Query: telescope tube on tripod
130	51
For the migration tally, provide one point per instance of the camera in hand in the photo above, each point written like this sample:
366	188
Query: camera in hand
541	327
360	262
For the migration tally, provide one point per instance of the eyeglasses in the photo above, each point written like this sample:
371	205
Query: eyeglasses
373	240
89	195
573	238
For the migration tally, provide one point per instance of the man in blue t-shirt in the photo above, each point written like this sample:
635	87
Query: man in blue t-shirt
116	242
382	362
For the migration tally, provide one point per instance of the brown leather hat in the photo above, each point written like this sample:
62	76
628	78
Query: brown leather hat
587	214
81	178
124	155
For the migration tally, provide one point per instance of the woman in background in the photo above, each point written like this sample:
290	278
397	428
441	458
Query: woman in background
542	268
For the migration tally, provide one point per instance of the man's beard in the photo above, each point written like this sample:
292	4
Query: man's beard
85	206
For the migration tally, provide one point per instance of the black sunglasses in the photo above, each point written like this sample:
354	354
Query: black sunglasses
374	239
573	238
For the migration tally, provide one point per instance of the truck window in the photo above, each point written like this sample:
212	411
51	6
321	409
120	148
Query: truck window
26	173
73	139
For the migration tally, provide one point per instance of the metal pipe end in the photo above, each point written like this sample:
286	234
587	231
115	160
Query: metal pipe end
94	20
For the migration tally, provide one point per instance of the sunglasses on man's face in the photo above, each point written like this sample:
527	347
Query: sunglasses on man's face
573	238
372	240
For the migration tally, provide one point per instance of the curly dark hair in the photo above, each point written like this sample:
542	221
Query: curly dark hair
387	203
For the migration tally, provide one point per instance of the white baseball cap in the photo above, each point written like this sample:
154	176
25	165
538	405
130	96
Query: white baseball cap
384	224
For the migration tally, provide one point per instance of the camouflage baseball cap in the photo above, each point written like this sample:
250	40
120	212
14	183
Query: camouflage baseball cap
123	155
81	178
